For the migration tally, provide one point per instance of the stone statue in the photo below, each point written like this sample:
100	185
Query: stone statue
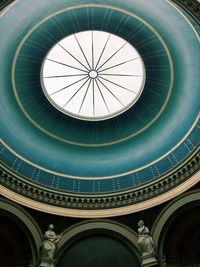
145	241
48	247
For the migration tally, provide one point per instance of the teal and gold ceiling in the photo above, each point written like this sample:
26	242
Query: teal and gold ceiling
46	149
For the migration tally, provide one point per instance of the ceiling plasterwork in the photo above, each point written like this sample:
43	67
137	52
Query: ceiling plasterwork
95	163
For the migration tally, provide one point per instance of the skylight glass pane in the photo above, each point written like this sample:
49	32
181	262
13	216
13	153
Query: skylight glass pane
93	75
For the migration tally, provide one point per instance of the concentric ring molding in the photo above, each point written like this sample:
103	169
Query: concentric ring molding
119	166
151	104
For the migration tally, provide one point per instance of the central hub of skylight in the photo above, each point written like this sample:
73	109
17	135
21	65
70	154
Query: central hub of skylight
93	75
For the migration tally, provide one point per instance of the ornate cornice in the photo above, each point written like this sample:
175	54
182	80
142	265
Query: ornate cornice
5	3
192	7
93	202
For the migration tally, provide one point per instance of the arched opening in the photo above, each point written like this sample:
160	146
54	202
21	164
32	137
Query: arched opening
20	236
98	250
15	247
176	232
182	240
98	243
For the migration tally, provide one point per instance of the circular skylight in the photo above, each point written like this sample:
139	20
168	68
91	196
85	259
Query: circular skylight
93	75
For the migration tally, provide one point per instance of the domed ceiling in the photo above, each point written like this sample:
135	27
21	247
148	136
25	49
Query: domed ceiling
99	105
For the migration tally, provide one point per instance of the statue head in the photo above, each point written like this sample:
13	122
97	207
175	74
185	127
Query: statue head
140	223
51	226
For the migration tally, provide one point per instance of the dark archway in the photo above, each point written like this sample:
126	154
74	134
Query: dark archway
20	236
182	241
97	251
176	232
97	243
15	247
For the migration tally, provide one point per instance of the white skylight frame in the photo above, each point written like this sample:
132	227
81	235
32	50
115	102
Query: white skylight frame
93	75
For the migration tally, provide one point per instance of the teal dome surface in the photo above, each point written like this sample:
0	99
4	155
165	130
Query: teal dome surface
158	134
